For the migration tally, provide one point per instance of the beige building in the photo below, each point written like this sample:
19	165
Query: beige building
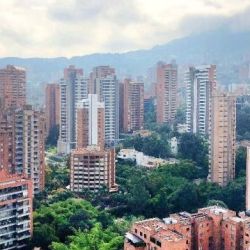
132	113
222	138
92	168
90	122
166	92
12	87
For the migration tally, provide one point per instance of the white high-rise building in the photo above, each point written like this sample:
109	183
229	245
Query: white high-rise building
73	88
200	81
107	87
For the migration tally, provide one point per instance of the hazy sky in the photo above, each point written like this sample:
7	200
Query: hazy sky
48	28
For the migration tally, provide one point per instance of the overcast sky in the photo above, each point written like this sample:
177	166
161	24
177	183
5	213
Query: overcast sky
48	28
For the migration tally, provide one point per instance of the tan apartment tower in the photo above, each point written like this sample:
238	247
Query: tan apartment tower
92	168
166	92
52	106
12	87
90	122
133	105
222	138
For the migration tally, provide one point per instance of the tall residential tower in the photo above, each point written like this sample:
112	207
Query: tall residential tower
166	92
200	81
107	87
222	138
52	106
73	88
12	87
133	105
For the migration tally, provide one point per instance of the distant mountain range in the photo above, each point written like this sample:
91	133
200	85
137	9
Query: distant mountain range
225	48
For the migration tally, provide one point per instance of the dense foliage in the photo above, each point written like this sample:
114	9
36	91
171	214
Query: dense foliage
195	148
168	189
243	123
87	226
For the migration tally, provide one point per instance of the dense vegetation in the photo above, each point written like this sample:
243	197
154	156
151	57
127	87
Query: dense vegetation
243	123
169	189
88	227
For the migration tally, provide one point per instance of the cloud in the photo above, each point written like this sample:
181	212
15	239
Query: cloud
51	28
201	23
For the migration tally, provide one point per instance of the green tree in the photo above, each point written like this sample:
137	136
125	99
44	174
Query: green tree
96	238
240	165
195	148
243	123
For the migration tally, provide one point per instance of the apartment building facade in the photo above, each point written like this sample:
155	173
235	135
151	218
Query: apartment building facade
166	92
211	228
52	106
133	105
73	88
92	168
222	138
90	122
29	151
15	211
12	87
200	82
106	86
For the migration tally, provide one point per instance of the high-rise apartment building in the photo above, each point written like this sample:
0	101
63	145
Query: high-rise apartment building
12	87
29	158
222	138
97	73
133	105
15	211
92	168
90	122
166	92
73	88
200	82
211	228
6	143
52	106
107	87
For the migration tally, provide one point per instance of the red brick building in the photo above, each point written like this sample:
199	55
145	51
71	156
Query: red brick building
12	87
52	106
132	106
166	92
211	228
